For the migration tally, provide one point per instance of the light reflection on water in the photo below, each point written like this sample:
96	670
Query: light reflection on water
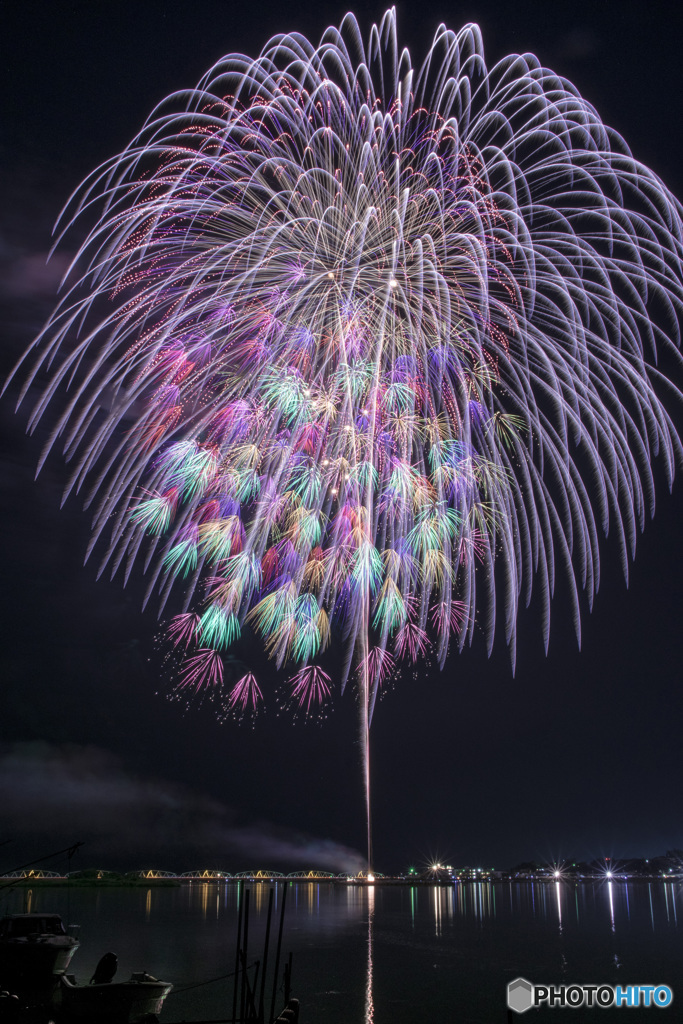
380	954
369	1005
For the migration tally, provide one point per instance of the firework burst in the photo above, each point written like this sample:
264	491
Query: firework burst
360	350
245	697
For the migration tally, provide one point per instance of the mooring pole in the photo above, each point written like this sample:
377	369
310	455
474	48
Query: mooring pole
265	956
277	952
244	954
288	979
251	991
240	887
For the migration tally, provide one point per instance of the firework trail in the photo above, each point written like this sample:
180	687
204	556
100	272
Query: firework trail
361	351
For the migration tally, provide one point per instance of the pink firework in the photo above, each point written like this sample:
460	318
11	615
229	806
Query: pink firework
203	671
451	617
245	695
379	664
412	641
182	630
310	687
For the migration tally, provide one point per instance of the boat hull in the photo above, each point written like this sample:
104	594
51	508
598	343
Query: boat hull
125	1002
34	947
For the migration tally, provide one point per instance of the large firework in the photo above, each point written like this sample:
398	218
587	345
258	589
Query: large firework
358	354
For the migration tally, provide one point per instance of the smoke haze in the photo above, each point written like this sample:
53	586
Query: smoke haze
62	794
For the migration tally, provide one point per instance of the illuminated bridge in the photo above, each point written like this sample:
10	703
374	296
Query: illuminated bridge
254	875
313	875
206	875
155	873
261	875
36	873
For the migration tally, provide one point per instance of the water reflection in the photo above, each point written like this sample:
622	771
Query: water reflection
312	898
558	900
437	903
205	889
259	896
476	899
357	946
669	896
610	900
369	1005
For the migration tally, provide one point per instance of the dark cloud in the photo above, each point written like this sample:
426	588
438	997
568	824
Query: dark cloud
85	793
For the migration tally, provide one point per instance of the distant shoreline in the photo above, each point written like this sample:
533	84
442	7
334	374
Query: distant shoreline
160	883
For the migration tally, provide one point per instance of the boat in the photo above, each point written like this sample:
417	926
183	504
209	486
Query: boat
124	1002
34	948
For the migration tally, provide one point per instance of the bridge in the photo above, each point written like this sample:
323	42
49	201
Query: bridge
206	875
313	875
197	875
155	873
37	873
260	875
253	874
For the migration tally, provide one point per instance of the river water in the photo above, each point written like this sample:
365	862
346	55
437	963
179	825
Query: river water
388	955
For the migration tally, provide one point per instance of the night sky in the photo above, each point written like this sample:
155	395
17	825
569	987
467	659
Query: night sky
576	755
